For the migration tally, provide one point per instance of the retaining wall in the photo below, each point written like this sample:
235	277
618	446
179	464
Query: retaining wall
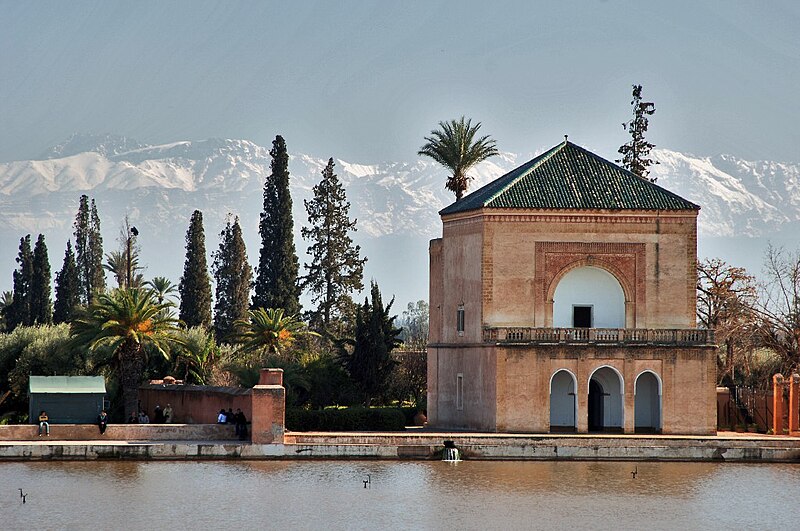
121	432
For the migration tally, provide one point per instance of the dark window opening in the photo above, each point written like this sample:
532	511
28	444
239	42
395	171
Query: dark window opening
581	316
460	320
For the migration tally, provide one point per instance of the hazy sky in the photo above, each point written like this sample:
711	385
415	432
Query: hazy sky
365	81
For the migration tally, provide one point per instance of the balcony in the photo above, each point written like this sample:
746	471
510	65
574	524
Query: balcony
604	336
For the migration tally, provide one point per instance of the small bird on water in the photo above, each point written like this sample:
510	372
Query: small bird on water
368	481
635	471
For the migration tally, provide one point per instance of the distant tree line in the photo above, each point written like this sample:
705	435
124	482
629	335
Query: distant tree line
337	352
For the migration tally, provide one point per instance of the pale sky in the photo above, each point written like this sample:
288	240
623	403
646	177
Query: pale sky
365	81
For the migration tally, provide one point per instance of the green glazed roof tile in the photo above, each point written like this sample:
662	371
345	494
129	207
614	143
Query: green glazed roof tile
570	177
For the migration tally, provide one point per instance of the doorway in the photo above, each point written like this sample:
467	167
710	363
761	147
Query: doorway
596	396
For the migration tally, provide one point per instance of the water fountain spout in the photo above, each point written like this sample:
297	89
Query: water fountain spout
450	452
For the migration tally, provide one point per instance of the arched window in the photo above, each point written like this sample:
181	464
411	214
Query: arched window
589	297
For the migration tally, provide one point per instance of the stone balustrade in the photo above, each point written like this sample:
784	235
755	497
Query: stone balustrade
623	336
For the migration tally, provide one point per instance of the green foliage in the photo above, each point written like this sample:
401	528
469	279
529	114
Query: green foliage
408	381
19	313
88	251
127	321
269	333
635	154
347	419
6	298
276	284
455	147
41	302
67	288
195	284
327	383
38	350
336	269
367	358
162	288
195	356
233	276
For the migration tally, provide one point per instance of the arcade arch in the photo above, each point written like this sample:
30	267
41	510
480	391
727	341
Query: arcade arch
563	401
647	402
605	405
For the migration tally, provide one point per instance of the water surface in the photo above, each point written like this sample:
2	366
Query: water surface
402	495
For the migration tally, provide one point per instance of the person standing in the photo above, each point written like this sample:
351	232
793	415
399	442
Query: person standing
222	417
241	425
44	422
168	414
158	416
102	421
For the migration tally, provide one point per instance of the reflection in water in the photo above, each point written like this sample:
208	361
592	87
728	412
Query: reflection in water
330	495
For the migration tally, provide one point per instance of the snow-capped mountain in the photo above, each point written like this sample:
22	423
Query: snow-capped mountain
396	203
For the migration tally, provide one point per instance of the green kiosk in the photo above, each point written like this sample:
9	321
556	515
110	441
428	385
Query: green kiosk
67	399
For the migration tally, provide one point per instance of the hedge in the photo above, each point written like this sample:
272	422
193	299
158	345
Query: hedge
347	419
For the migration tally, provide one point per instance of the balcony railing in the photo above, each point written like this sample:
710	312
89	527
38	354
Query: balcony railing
624	336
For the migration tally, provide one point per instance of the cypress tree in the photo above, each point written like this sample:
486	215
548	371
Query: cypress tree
195	284
369	362
41	299
635	154
67	295
276	284
88	251
83	258
97	277
233	276
336	268
19	313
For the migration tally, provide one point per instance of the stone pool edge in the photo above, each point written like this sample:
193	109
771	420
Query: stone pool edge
423	446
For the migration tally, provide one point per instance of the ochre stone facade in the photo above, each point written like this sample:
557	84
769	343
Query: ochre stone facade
502	267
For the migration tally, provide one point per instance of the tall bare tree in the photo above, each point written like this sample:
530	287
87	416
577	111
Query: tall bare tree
726	296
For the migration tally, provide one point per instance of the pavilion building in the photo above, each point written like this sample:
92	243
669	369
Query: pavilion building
562	298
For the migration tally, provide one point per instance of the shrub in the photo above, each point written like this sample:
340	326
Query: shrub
346	419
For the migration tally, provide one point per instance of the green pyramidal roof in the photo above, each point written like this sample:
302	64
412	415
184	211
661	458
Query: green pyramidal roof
570	177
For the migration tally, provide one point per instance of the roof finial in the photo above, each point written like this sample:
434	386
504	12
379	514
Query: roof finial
565	138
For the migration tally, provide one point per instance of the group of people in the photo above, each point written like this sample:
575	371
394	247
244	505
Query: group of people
160	416
238	419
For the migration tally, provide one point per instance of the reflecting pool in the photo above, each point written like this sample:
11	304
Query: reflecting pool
399	495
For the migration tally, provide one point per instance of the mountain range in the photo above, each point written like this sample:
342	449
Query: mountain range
396	204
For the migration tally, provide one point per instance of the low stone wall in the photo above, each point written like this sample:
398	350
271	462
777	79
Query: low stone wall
428	446
121	432
195	404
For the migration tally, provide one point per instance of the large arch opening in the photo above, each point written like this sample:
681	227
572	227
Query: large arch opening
588	297
647	403
563	403
605	409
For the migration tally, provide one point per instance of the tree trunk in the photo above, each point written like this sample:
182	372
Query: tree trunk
131	375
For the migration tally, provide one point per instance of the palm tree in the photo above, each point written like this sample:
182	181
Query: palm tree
128	321
197	355
269	332
6	299
162	288
455	147
117	264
